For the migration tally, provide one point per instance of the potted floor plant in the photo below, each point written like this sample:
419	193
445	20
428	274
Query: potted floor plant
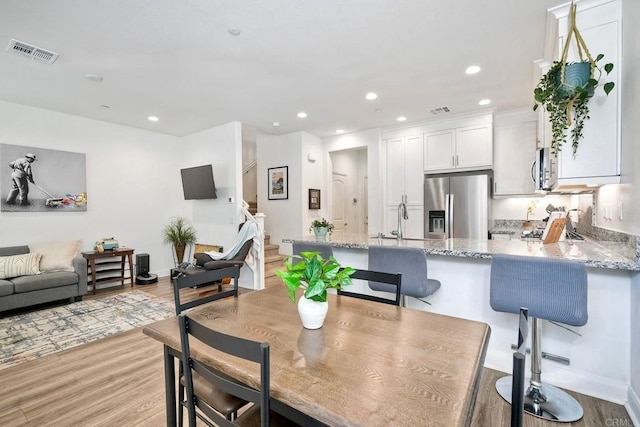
179	233
565	90
315	275
320	228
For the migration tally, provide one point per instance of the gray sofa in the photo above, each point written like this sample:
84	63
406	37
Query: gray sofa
24	291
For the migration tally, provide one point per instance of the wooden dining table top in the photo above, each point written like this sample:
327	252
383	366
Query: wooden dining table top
371	364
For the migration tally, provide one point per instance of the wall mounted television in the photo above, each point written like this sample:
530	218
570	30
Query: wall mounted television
198	183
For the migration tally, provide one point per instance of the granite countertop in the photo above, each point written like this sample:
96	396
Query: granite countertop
592	253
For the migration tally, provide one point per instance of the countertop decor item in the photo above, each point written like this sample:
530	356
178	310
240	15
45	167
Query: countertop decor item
565	90
320	228
315	275
179	233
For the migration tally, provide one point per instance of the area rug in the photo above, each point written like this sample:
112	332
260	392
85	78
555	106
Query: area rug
32	335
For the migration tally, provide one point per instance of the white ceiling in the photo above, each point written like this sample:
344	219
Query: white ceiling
175	59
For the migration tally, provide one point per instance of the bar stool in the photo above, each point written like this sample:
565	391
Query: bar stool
554	290
411	262
325	249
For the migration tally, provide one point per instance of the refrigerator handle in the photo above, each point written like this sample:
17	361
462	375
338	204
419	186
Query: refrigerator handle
446	215
451	204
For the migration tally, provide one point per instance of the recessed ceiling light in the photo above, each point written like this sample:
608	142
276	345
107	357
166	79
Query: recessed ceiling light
474	69
94	78
153	118
234	31
302	114
377	110
339	131
371	96
275	124
105	107
401	119
484	102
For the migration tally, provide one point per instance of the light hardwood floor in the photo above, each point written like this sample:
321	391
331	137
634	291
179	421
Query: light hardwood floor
118	381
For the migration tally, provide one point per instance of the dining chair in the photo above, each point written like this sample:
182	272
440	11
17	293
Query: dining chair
519	360
411	263
222	402
199	377
391	281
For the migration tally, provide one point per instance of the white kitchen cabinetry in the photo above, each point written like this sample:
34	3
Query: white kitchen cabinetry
515	138
404	170
411	228
462	148
598	157
405	178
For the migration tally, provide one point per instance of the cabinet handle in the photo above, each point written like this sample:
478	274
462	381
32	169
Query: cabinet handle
453	160
457	163
495	187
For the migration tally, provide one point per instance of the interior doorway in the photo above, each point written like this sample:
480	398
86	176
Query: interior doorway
349	191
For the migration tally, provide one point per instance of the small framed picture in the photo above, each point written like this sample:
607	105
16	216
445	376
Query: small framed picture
314	198
278	181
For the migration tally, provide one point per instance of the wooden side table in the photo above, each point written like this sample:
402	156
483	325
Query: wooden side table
110	267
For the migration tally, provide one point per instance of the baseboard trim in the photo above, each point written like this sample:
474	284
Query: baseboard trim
633	406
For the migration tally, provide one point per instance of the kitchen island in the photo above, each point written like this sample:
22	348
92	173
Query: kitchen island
599	356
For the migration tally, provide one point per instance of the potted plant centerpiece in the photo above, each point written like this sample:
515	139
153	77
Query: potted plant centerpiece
565	90
315	275
179	234
320	228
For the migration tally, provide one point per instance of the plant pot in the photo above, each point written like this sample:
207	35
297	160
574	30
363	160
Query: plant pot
321	233
576	74
180	252
312	313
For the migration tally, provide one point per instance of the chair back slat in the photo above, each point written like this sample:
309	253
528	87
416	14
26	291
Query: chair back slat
392	282
203	277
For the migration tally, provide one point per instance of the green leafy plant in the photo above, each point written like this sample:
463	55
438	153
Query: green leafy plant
179	233
315	274
321	223
566	103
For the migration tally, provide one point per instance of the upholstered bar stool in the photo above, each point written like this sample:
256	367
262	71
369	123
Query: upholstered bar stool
554	290
411	262
325	249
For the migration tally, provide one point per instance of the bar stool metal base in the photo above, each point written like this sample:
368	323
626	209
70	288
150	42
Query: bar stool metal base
554	404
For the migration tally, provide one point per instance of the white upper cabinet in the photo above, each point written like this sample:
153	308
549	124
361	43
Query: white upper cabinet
598	157
459	148
404	170
515	139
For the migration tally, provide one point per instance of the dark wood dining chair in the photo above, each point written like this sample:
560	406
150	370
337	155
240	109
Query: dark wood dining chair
226	404
391	281
199	377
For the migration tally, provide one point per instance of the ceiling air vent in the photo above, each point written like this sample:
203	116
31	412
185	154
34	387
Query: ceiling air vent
31	51
439	110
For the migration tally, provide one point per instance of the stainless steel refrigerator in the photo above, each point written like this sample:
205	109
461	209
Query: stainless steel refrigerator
457	205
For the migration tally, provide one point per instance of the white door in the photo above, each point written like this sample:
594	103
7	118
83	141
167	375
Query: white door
338	210
365	199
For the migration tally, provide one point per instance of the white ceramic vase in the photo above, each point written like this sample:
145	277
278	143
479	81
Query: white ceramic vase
321	233
312	313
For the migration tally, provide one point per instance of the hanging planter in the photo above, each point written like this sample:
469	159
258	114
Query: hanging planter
565	90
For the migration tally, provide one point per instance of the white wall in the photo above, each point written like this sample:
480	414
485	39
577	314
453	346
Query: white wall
249	154
312	177
216	220
283	217
371	139
133	184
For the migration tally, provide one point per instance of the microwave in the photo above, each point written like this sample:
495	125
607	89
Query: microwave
544	170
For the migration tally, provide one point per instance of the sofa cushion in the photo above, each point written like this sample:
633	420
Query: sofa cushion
44	281
57	256
19	265
14	250
6	288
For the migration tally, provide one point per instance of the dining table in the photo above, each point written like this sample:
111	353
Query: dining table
370	364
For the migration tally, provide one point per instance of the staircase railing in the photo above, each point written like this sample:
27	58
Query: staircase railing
254	263
250	166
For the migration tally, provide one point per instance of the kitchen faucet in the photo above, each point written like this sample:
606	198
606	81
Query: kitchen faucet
402	214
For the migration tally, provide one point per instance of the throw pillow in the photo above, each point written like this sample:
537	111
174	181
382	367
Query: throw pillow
57	256
19	265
